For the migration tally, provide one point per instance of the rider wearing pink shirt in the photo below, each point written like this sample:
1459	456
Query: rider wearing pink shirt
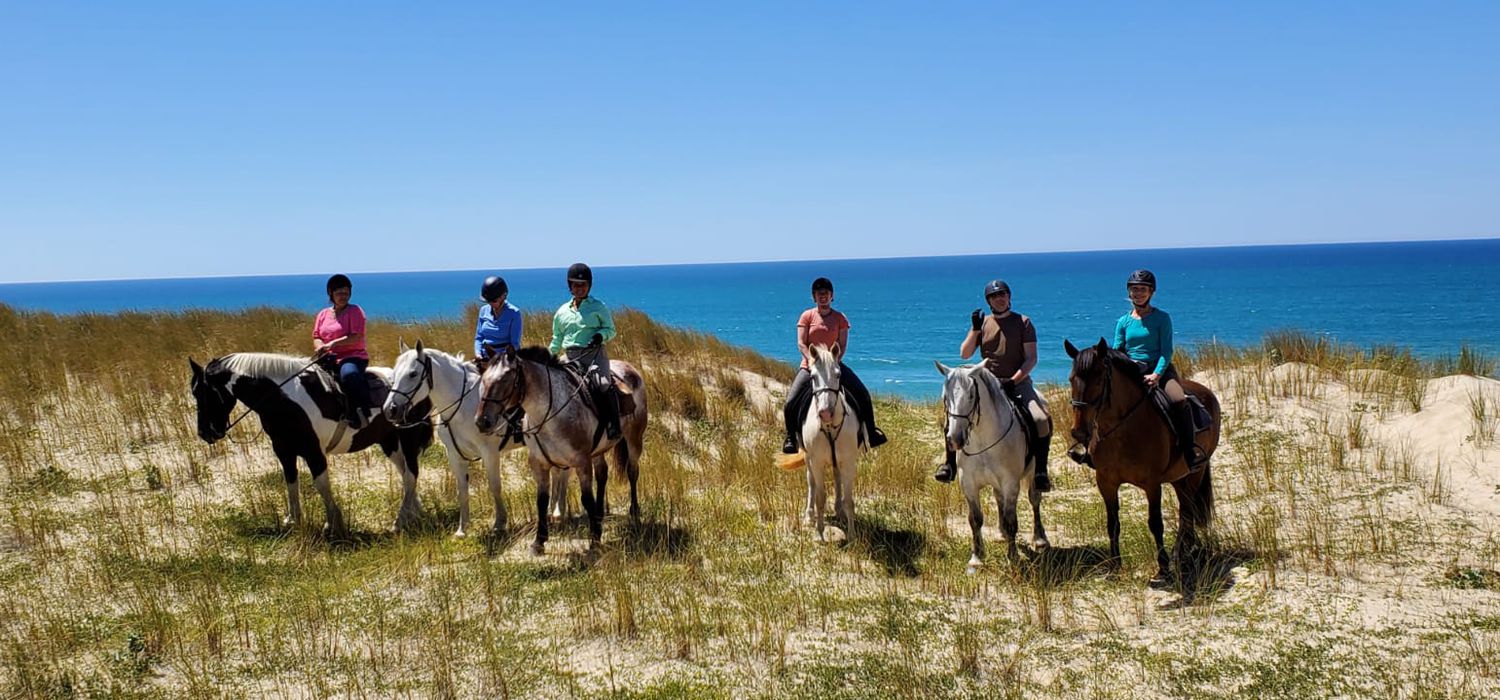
339	336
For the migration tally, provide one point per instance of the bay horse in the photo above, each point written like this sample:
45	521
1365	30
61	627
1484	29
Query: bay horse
562	430
1129	442
830	437
448	388
990	445
302	412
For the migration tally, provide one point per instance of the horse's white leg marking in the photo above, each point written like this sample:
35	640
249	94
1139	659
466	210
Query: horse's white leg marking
562	508
293	505
848	468
976	517
460	468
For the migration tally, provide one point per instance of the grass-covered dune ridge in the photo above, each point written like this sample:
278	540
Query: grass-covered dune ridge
1356	552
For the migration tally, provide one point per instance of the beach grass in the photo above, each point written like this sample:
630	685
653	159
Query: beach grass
137	561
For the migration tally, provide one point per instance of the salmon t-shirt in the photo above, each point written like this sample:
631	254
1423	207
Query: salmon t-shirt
822	330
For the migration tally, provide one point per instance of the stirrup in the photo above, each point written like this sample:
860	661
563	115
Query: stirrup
1195	458
945	474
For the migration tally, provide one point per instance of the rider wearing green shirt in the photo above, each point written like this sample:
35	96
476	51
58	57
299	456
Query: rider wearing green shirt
580	328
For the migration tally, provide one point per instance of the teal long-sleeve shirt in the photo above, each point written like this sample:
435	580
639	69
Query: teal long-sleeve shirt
1147	340
575	327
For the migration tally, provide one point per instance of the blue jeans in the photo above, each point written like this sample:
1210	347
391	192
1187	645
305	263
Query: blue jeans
352	379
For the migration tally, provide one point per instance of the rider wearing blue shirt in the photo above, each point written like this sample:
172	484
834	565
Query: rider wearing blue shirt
499	323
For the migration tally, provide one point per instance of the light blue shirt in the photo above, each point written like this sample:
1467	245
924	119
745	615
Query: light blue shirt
1147	340
497	332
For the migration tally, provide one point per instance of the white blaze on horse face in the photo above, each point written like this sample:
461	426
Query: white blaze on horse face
958	401
826	385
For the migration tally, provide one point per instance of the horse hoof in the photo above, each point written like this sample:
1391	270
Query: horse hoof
1159	582
1040	544
538	549
972	570
288	521
459	534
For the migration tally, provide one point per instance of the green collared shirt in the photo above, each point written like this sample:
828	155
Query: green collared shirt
573	328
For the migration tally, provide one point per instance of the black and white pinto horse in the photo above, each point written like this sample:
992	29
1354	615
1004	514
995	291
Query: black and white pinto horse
562	431
449	388
302	413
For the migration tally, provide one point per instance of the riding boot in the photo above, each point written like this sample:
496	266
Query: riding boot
876	436
611	406
353	415
1039	450
949	469
1182	422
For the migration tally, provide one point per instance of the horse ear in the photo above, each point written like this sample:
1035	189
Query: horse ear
942	368
402	341
488	350
1068	346
510	353
197	370
834	349
1102	347
419	346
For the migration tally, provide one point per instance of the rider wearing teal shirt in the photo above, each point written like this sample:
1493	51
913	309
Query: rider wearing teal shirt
1145	334
580	328
1146	340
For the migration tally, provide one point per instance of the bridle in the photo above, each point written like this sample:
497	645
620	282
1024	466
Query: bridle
456	405
229	398
832	432
972	416
1102	401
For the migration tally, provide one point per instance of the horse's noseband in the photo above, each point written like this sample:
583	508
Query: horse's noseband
426	378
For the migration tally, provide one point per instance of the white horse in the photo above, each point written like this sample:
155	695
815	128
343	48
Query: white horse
990	443
830	438
451	388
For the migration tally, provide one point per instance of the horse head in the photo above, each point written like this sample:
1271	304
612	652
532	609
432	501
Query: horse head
1090	381
961	401
211	392
827	390
501	387
411	381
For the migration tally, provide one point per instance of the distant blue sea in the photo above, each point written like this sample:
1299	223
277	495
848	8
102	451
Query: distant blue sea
907	312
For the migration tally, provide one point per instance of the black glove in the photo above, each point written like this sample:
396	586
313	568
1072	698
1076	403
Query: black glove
596	341
976	318
1008	386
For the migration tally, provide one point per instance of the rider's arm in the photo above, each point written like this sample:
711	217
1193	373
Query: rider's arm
1026	365
479	339
515	328
802	348
605	323
1165	343
970	344
557	331
1119	343
843	342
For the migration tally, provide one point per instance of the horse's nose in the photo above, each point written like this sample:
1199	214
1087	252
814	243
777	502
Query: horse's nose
483	423
825	415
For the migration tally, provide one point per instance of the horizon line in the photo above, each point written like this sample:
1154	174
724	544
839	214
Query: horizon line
772	260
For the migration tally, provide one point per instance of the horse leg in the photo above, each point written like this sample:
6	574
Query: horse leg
591	504
846	473
1005	499
1038	532
1187	547
539	474
491	458
817	495
288	459
601	477
1110	492
410	505
1163	576
562	508
460	468
334	526
628	452
976	521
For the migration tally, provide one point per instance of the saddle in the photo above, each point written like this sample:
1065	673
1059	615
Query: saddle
598	392
321	375
1202	419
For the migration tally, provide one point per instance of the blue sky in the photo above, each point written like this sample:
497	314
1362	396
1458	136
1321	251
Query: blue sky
184	139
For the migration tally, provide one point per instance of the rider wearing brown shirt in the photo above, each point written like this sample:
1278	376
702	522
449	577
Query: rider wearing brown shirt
1007	342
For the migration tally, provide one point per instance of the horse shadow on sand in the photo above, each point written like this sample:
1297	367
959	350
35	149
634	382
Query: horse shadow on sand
896	550
1218	563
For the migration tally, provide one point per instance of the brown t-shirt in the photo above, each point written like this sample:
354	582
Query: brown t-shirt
1002	343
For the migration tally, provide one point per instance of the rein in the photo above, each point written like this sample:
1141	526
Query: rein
552	411
447	420
1102	402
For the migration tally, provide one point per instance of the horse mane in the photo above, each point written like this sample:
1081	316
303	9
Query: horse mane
823	352
540	355
262	364
981	373
1089	356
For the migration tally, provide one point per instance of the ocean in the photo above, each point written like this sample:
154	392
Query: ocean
906	312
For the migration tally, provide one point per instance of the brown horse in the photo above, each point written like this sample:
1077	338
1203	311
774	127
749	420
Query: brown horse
562	430
1128	442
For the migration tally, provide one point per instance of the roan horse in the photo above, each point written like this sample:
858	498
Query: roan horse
990	445
449	389
830	437
1129	442
303	415
562	430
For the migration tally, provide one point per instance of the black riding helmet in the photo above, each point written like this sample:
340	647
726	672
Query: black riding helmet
1142	277
579	272
822	283
339	281
493	288
996	287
